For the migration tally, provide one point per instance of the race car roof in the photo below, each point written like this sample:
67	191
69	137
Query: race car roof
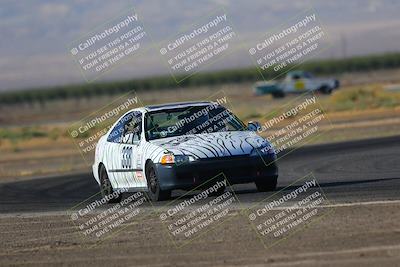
177	105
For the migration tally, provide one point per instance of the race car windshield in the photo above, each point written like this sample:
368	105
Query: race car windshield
191	120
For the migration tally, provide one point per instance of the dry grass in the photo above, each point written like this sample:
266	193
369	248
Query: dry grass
27	150
362	98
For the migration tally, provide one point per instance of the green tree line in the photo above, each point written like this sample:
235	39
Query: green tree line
319	67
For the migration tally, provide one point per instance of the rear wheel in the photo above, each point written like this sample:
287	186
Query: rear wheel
267	184
106	188
325	90
278	94
153	184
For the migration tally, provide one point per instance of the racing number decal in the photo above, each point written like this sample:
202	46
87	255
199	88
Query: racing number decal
126	160
299	85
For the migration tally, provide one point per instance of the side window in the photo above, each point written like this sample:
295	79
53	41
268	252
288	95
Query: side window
308	75
296	77
132	129
128	126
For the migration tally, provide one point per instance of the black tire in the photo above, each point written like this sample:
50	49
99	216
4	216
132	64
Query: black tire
106	188
267	185
153	184
217	193
278	94
325	90
337	84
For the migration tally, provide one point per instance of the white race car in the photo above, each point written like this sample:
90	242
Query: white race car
180	146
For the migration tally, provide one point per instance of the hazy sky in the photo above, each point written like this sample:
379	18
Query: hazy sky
35	34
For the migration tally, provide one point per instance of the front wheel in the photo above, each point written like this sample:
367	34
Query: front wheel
266	185
218	192
153	184
106	188
325	90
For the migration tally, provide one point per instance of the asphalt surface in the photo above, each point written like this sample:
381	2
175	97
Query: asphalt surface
358	227
357	171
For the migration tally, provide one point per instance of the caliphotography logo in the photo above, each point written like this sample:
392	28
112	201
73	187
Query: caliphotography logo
200	133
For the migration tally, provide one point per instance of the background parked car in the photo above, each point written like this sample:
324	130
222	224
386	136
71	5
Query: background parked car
296	82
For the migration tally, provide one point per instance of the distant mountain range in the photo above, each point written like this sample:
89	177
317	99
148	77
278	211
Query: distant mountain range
35	34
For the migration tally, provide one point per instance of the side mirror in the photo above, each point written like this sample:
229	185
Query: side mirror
253	126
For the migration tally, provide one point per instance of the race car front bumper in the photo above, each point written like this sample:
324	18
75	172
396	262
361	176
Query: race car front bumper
236	169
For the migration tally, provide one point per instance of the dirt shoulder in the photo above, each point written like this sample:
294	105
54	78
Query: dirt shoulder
38	157
35	139
367	235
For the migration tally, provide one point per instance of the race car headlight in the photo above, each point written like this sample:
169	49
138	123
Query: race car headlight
168	159
177	159
264	150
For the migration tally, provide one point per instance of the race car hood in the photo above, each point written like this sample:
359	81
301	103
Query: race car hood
220	144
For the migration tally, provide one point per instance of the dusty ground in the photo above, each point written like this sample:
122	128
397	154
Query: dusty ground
359	179
367	235
42	156
37	230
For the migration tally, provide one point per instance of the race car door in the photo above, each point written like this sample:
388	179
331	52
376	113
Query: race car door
113	151
299	83
130	173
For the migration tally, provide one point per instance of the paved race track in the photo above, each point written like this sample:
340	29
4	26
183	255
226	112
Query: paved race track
361	180
367	170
